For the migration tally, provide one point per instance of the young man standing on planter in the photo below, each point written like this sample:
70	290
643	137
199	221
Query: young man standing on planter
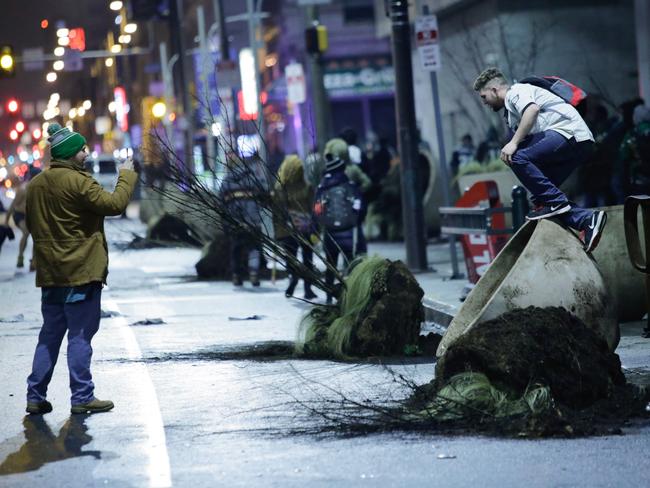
550	140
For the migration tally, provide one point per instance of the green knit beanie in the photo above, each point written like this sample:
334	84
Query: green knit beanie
64	143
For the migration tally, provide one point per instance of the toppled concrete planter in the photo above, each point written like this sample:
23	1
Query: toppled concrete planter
624	282
215	259
169	228
543	265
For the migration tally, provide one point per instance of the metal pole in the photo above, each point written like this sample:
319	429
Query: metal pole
442	157
455	274
220	20
205	66
176	28
253	24
519	207
416	255
169	90
321	104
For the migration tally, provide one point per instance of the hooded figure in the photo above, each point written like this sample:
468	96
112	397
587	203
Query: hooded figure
337	207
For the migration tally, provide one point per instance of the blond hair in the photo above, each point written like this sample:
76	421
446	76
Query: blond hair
487	76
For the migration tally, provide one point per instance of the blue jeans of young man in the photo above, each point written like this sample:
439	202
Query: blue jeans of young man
542	162
80	318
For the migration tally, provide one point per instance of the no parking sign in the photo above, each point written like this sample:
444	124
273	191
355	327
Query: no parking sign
426	40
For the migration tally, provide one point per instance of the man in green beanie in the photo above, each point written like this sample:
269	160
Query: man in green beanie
65	215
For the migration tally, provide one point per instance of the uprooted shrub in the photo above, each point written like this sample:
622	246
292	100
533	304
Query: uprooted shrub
543	370
379	313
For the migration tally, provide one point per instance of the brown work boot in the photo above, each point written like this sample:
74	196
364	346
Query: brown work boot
39	408
93	406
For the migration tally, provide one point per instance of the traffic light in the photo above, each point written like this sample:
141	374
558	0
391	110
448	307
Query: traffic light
7	61
13	106
316	39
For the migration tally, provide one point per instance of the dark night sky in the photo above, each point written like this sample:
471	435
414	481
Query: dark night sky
20	26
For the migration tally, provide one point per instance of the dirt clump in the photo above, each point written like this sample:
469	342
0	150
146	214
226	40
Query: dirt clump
379	313
534	372
548	346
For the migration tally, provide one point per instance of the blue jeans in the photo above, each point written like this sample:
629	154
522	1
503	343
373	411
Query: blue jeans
81	321
542	162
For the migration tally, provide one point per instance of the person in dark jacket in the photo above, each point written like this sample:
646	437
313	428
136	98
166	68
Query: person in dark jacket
335	241
242	186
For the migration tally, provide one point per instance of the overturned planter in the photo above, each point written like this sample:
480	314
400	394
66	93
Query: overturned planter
625	283
543	265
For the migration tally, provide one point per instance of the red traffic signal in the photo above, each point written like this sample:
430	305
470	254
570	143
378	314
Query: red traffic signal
12	106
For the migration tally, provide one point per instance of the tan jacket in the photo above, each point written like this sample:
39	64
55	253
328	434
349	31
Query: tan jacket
65	215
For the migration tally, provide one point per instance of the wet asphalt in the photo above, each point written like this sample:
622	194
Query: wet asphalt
194	406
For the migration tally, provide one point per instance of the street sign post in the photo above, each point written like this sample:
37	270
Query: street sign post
427	41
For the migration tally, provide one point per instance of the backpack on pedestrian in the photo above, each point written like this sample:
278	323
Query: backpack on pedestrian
567	91
337	207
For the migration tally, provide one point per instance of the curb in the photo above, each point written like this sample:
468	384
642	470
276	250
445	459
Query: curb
437	315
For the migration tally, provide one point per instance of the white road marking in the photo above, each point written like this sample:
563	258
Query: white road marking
159	470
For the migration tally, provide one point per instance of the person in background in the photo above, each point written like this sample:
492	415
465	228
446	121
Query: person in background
490	147
241	188
463	154
17	209
635	151
65	212
620	132
337	206
292	193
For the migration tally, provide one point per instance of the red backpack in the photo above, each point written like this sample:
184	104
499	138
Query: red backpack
568	92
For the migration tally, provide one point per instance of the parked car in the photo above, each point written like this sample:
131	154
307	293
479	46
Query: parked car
104	170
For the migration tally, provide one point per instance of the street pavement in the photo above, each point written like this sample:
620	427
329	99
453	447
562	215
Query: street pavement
189	412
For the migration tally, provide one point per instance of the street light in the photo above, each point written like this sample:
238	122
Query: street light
158	110
124	39
72	113
116	48
63	32
51	77
87	104
20	126
115	5
13	135
63	41
59	51
130	28
108	62
58	65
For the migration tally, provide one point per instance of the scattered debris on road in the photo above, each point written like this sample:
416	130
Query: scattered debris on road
155	321
251	317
